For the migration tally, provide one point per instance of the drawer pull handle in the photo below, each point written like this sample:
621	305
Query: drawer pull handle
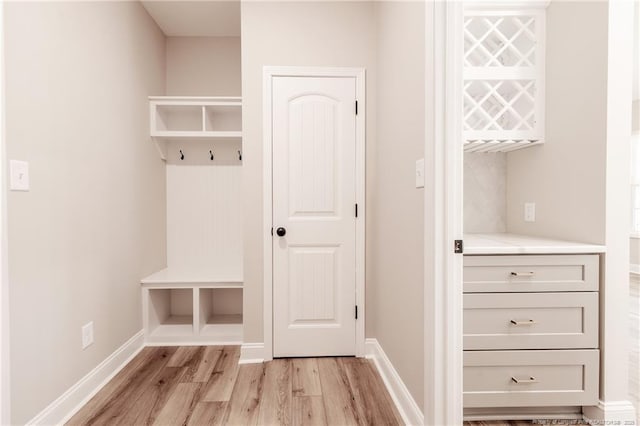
524	381
527	322
522	274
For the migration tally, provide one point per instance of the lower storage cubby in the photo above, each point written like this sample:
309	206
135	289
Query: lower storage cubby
170	313
221	314
192	312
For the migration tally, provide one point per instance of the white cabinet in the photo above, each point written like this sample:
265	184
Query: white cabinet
503	84
530	332
184	119
197	299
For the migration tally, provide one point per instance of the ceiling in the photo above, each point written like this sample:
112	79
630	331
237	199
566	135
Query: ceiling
183	18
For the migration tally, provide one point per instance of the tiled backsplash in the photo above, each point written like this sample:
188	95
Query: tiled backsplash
485	192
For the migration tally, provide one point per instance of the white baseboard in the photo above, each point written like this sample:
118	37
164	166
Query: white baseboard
406	405
251	353
613	412
70	402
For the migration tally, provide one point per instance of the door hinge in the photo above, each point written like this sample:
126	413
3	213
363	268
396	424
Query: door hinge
356	107
272	231
356	209
458	246
356	311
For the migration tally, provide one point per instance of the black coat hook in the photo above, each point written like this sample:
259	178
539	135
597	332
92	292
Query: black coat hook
211	155
239	155
181	155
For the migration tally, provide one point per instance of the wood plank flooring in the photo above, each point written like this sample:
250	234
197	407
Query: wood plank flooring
199	385
526	423
499	423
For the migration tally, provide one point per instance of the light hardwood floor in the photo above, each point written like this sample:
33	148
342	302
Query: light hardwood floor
503	423
200	385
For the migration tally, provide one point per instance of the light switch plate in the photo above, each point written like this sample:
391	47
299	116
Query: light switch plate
529	212
420	173
19	175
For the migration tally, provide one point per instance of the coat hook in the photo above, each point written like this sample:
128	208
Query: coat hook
210	152
181	155
239	155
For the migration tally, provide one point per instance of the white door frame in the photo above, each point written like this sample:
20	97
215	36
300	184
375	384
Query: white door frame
4	276
443	219
269	72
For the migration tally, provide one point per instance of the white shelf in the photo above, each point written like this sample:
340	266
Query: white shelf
197	134
196	100
224	319
170	278
223	327
498	145
175	325
183	119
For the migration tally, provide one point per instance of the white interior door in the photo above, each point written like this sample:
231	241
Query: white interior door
314	196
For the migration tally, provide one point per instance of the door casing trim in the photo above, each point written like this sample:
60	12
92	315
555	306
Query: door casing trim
443	360
269	72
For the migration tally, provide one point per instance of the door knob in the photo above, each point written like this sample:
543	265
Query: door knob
281	232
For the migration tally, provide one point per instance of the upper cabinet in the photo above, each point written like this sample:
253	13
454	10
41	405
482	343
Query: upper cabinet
194	118
503	85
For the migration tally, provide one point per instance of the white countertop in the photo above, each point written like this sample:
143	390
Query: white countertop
523	244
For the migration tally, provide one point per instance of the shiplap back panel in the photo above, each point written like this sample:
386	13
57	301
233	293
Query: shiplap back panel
204	217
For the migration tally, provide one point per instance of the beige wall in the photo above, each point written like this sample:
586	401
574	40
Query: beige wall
634	252
339	34
203	66
395	242
572	160
78	75
352	34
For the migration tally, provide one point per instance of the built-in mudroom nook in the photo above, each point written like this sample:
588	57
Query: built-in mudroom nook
196	126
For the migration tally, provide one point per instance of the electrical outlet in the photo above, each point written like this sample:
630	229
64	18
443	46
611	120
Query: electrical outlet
529	212
87	335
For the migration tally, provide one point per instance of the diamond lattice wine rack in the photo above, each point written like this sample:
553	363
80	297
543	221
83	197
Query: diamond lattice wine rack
503	79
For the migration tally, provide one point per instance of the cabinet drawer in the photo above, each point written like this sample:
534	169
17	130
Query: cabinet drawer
525	273
530	378
530	321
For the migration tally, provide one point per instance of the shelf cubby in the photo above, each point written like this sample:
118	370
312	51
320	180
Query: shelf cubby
170	312
222	118
221	314
177	118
